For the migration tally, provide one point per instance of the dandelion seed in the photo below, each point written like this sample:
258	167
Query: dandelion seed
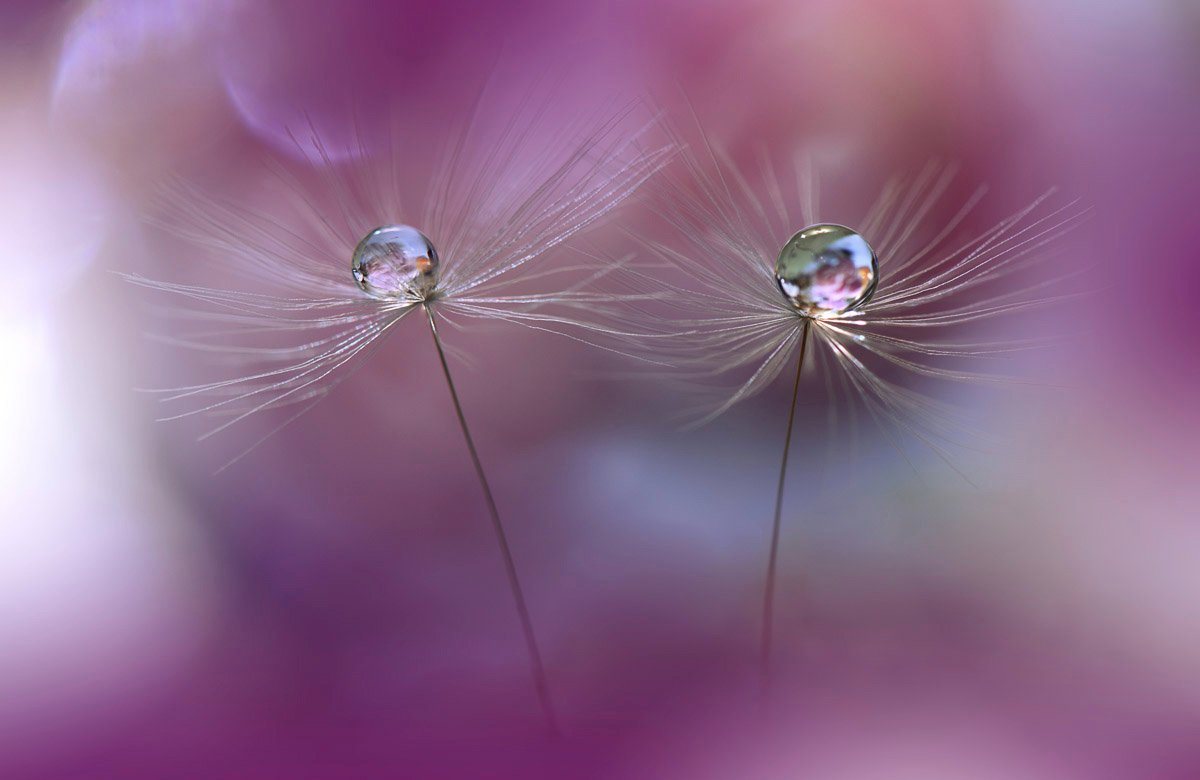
496	203
871	304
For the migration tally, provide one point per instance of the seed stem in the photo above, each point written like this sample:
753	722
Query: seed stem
537	670
768	611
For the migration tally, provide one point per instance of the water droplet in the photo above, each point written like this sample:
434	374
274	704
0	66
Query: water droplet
395	261
827	270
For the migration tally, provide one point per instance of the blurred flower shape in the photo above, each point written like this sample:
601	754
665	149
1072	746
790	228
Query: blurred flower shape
135	79
354	254
887	301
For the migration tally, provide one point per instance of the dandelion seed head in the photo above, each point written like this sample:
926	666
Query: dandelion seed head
826	271
396	262
498	191
896	316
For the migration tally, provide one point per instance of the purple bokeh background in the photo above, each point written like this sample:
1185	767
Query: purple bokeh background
334	605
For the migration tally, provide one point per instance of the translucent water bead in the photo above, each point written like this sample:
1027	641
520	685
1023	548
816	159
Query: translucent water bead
395	261
827	270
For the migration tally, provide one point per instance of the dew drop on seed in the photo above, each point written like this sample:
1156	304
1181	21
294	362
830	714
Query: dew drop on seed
827	270
395	261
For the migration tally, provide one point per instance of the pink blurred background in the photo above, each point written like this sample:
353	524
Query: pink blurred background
323	610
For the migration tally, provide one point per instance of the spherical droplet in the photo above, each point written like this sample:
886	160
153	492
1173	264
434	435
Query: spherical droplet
826	270
395	261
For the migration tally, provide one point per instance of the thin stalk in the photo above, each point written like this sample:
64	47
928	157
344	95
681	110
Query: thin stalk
537	670
768	611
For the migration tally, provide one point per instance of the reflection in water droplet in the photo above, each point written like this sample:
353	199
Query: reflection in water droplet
826	270
395	261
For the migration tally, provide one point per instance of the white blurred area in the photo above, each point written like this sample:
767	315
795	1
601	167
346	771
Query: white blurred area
105	590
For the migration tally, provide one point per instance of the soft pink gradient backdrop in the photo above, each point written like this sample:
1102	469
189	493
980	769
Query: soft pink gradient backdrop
334	606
